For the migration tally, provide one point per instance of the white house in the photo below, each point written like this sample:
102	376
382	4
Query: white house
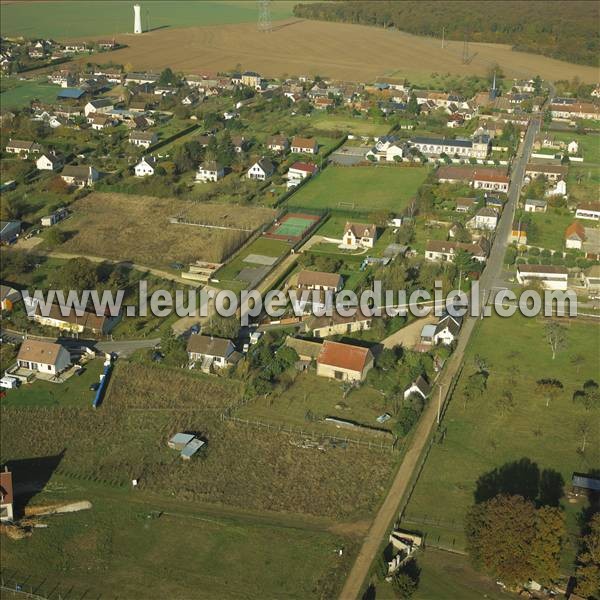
549	276
143	139
485	218
298	172
359	235
535	206
80	176
44	357
278	143
210	351
22	148
261	170
302	145
490	179
560	189
447	329
573	147
101	105
50	161
575	236
319	280
210	170
145	167
589	211
387	149
419	386
442	251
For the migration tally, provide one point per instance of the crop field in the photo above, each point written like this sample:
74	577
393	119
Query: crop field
100	17
372	53
482	436
19	93
137	228
362	189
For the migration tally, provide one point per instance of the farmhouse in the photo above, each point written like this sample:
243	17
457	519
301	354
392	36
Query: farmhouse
589	211
50	161
101	105
359	235
278	143
419	386
344	362
549	276
210	170
44	357
22	148
485	218
440	250
300	171
80	176
387	149
321	327
491	179
143	139
145	167
535	206
575	236
261	170
302	145
211	351
318	280
550	172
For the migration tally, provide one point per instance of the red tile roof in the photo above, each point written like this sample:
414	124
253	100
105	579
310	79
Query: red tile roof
304	166
344	356
575	229
490	175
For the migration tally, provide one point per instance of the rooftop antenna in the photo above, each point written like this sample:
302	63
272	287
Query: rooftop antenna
264	16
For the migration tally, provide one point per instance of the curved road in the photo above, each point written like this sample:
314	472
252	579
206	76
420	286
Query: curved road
390	509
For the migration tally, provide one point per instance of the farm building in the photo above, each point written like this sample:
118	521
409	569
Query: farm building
344	362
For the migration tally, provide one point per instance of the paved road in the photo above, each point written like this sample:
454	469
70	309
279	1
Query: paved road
390	508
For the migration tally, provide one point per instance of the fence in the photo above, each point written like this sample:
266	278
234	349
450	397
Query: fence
24	586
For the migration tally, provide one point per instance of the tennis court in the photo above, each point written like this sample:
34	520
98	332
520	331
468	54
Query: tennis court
293	227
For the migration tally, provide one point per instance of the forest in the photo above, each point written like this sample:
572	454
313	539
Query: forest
566	30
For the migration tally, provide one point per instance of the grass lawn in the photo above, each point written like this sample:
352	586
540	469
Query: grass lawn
321	397
18	94
118	546
548	229
427	231
480	437
361	188
356	125
583	183
589	145
58	20
73	392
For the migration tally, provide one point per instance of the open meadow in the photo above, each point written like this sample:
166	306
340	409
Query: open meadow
364	189
372	52
122	227
488	431
18	94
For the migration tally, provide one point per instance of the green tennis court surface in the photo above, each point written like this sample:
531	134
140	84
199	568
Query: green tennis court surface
293	227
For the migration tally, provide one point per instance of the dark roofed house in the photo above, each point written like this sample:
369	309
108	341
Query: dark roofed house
585	485
278	143
144	139
79	175
318	280
419	386
210	351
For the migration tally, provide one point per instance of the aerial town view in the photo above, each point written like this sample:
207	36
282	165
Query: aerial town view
300	299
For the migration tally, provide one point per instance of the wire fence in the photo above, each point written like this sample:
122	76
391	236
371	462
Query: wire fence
16	585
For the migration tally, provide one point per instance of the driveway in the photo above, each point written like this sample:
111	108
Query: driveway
409	336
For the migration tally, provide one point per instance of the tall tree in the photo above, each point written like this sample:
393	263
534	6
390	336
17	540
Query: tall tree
588	562
556	336
549	388
547	544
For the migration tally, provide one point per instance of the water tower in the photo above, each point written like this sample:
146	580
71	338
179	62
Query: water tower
137	19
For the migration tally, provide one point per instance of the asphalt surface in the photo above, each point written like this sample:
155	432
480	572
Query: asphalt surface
390	508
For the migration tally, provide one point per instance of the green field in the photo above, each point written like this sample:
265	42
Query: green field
548	229
63	20
481	437
356	125
583	182
589	145
18	94
362	189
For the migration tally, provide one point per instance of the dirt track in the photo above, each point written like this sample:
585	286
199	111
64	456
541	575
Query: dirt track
352	52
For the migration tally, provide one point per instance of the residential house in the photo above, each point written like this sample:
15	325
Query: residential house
145	167
535	206
464	205
210	170
9	231
550	172
22	148
337	324
549	276
588	210
478	147
359	235
440	250
99	122
261	170
387	149
66	319
143	139
491	179
575	236
573	147
419	386
298	172
447	329
560	189
74	47
323	103
239	143
318	280
454	174
80	176
278	143
141	78
576	110
302	145
101	105
6	496
50	161
344	362
252	79
44	357
209	351
485	218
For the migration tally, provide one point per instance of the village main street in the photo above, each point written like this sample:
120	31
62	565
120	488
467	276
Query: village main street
404	479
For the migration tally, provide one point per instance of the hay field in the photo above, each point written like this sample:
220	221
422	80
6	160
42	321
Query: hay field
352	52
123	227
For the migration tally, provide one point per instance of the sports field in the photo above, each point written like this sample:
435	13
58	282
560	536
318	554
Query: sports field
18	94
362	189
292	227
100	17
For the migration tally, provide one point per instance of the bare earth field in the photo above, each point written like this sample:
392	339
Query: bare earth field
339	50
136	228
